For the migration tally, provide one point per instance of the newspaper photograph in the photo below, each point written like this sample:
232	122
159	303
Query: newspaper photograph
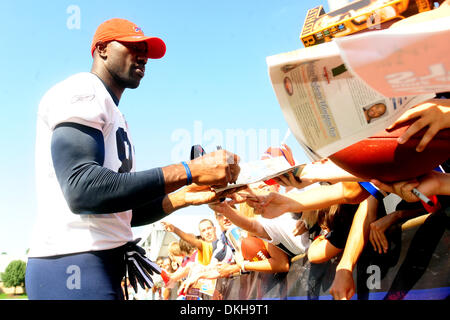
325	105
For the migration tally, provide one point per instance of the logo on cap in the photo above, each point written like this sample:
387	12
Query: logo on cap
137	29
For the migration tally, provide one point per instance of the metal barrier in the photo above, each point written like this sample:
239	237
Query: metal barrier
416	267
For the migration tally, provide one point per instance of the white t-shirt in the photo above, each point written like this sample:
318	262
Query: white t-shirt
83	99
281	229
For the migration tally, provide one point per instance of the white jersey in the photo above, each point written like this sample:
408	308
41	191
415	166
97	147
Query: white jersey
280	230
82	99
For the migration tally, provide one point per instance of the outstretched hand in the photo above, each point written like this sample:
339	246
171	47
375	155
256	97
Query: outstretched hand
429	184
323	170
434	114
168	226
271	205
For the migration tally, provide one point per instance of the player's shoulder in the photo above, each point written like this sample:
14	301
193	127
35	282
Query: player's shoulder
83	84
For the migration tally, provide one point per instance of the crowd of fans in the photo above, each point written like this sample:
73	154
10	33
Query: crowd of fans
320	213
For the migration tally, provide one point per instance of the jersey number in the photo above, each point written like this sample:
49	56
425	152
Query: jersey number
124	150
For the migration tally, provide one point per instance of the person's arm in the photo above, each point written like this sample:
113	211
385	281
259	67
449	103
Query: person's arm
377	235
188	237
323	170
191	195
78	153
278	262
321	250
179	274
433	183
166	293
197	272
252	225
275	204
343	286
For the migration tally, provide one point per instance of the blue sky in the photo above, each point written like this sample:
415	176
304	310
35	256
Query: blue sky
211	87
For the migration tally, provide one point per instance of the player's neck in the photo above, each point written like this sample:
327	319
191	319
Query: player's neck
109	82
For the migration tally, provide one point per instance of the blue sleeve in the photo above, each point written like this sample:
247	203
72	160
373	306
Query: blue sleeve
78	154
148	213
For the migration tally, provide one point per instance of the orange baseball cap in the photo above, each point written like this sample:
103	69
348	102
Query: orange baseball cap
124	30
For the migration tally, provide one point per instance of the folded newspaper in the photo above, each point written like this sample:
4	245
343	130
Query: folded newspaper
412	57
326	103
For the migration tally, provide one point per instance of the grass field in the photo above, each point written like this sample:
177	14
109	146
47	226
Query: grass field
11	296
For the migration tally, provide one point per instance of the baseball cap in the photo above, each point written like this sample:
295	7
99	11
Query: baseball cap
124	30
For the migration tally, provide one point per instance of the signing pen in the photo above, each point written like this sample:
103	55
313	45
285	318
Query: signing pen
422	197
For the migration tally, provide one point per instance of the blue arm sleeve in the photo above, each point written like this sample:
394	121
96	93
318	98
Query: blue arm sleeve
89	188
148	213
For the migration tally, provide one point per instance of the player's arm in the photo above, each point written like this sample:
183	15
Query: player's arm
78	154
192	195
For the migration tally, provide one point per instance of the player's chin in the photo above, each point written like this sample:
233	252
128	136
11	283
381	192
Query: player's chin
134	84
133	81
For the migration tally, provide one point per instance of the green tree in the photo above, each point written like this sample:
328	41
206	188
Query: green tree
14	274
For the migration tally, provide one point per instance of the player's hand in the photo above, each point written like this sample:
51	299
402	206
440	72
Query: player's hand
197	195
343	287
434	114
216	169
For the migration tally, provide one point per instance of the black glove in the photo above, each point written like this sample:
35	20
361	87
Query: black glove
139	267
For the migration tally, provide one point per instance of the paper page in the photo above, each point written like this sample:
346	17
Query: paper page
410	59
326	107
260	170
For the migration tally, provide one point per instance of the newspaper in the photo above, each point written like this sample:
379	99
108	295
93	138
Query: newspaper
408	59
325	105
